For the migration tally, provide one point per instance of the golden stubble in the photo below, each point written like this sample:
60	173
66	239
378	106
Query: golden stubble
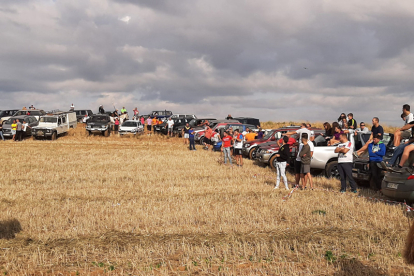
91	205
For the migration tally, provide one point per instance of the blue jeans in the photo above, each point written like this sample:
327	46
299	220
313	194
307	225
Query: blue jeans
398	152
226	152
1	134
192	143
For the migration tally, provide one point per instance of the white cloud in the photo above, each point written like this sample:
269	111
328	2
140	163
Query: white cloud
125	19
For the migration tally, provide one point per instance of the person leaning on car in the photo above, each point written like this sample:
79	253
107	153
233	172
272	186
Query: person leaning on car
376	150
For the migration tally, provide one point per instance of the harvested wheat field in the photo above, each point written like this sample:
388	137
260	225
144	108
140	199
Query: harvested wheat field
124	206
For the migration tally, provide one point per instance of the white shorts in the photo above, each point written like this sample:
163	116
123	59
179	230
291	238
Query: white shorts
186	136
170	129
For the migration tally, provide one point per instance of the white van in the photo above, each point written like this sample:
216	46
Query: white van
50	126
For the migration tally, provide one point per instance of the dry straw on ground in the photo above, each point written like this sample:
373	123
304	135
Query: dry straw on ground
94	205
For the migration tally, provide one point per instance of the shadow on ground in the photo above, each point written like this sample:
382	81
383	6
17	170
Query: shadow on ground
9	228
356	268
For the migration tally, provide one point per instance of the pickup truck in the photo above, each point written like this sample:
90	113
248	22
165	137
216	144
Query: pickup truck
51	126
99	123
6	114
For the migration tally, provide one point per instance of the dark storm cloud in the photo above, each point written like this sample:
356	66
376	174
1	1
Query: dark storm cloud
211	54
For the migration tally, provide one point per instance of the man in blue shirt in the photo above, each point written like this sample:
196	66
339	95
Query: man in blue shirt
376	150
191	138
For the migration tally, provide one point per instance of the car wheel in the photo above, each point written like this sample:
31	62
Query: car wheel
252	153
106	133
331	170
201	140
89	133
272	162
53	136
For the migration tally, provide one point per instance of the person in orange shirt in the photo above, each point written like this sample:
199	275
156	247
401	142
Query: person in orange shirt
250	135
159	121
154	123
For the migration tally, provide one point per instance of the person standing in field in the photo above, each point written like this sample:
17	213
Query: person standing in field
116	125
18	130
154	123
25	125
404	132
142	119
13	129
191	138
1	132
250	136
170	124
305	157
376	150
225	147
186	128
282	157
149	122
207	137
345	161
238	146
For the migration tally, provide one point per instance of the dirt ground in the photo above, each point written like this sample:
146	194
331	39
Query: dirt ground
148	206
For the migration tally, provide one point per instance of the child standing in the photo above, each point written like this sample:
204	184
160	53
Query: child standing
305	155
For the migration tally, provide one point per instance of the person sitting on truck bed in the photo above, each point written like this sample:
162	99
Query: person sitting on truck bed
397	154
404	132
352	124
337	133
329	132
376	130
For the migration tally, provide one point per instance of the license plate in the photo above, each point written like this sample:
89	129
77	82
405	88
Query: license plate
355	175
157	128
392	185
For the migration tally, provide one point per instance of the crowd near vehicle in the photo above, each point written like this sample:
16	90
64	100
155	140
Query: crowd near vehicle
53	125
396	185
99	123
131	127
31	121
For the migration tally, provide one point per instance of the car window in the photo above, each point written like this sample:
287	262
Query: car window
35	113
63	119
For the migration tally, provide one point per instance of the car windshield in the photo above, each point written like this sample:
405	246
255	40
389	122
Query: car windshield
129	124
99	119
48	120
10	121
267	136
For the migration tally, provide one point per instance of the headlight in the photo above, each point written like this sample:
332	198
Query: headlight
48	131
247	145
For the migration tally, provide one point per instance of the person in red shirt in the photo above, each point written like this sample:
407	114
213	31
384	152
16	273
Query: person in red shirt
225	147
116	125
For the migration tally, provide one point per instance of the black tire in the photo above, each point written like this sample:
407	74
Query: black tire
89	133
331	170
54	136
252	153
106	133
201	140
272	162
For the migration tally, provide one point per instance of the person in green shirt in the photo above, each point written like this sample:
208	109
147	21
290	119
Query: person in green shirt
123	110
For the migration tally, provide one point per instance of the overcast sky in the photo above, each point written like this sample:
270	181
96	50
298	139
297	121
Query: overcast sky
274	60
